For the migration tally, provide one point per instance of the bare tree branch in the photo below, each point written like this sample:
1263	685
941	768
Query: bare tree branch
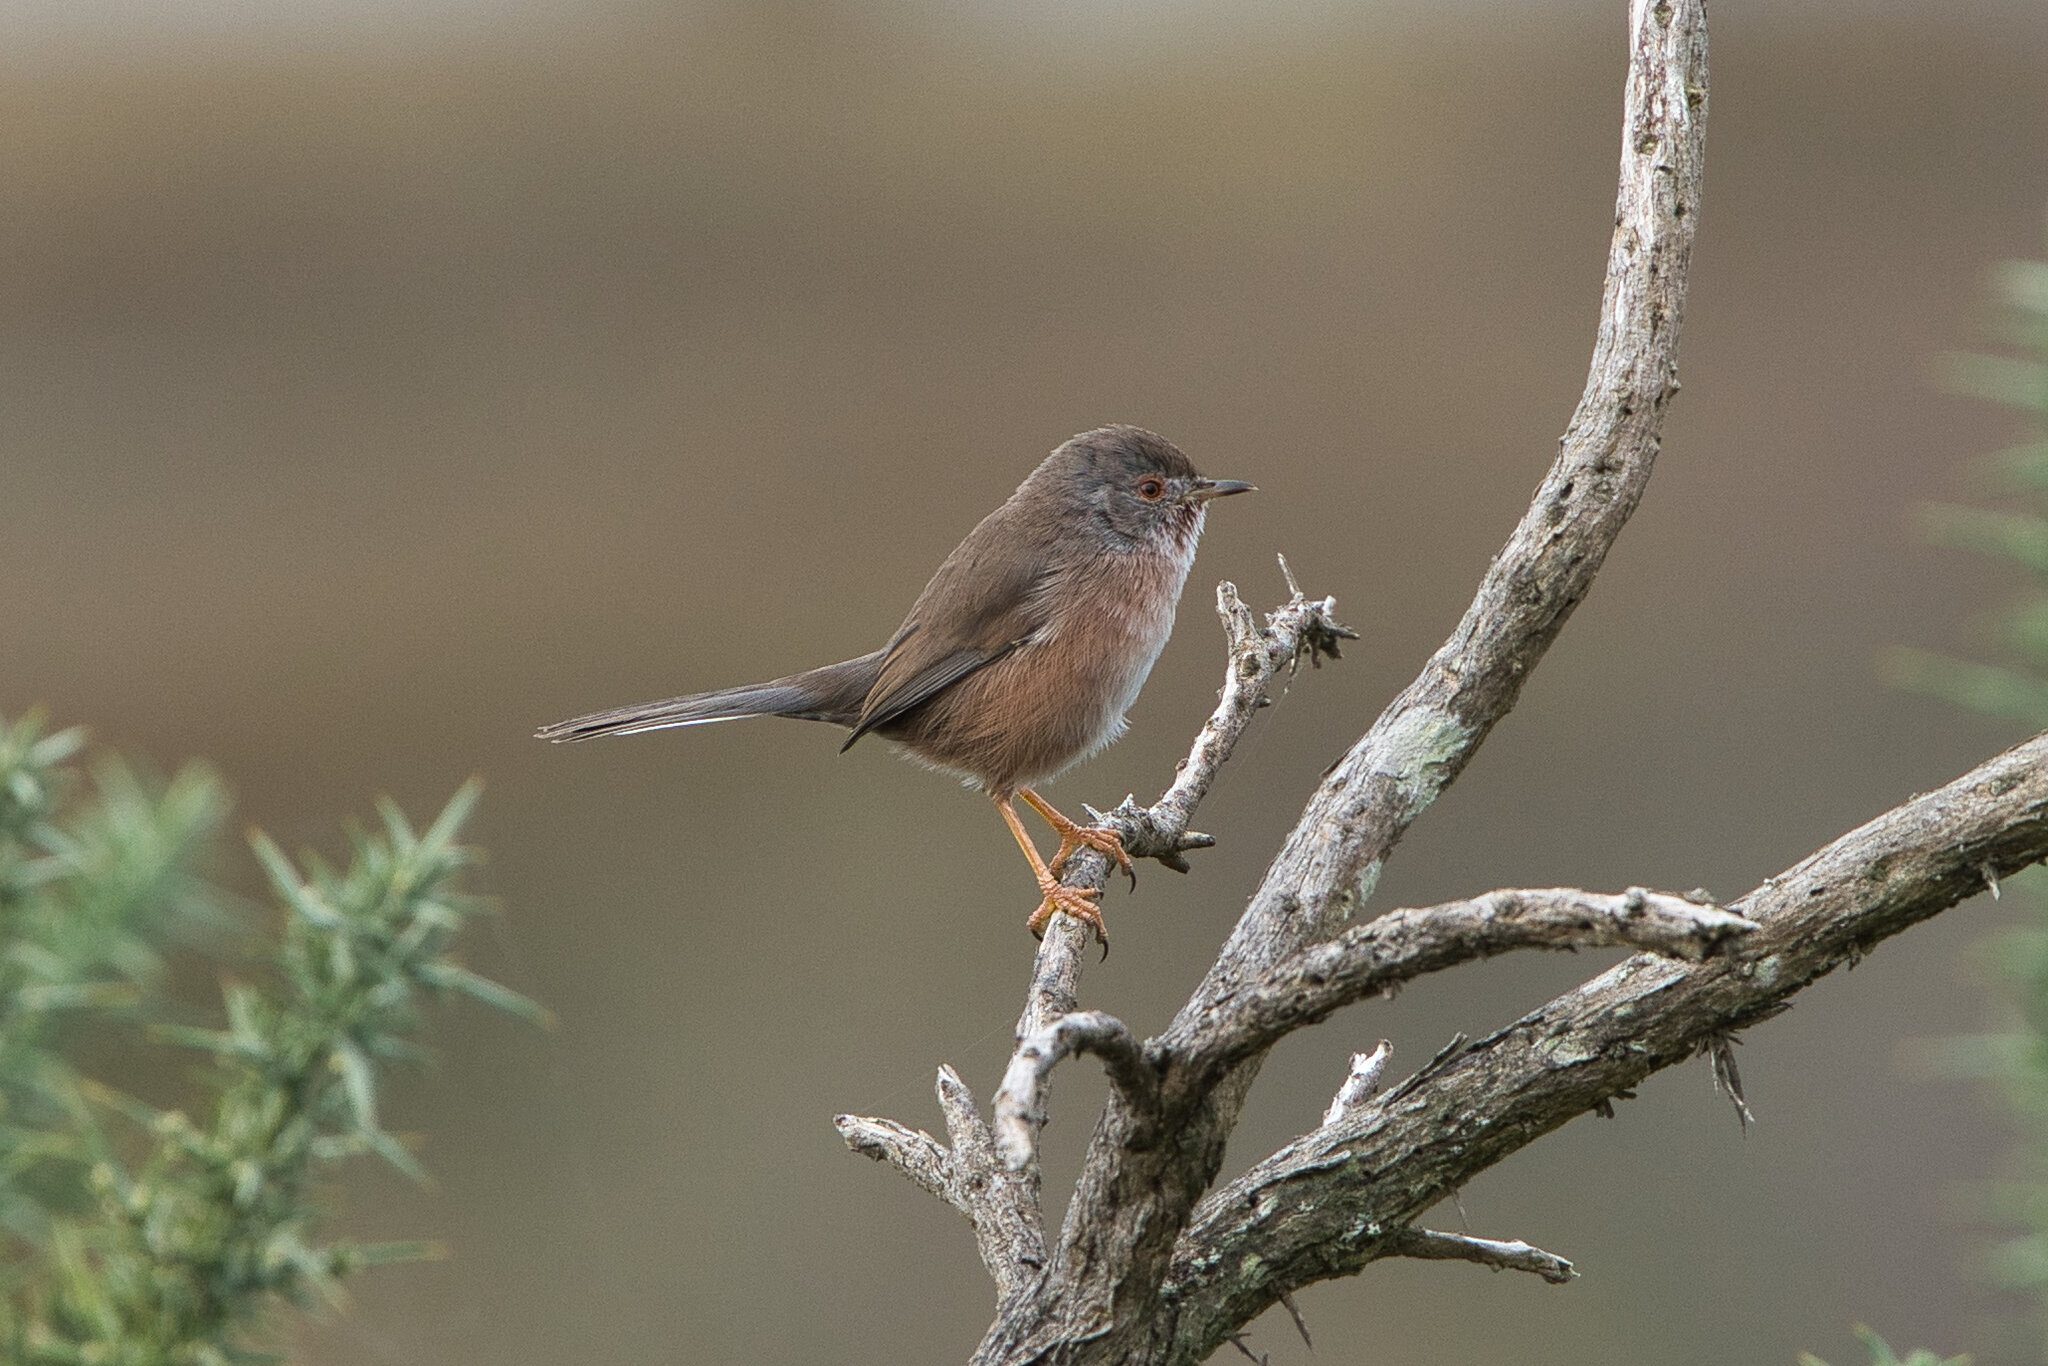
913	1152
1151	1267
1430	1245
1375	957
1018	1113
1101	1300
1324	1205
1146	1269
1423	740
966	1176
1008	1222
1299	629
1012	1246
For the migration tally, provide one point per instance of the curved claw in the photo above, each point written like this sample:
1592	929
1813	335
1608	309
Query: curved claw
1103	841
1078	902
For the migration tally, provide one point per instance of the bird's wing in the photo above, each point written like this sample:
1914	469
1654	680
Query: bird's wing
978	608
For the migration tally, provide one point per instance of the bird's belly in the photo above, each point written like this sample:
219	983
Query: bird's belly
1143	649
1038	711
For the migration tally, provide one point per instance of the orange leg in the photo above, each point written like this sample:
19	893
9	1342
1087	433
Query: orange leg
1078	902
1074	837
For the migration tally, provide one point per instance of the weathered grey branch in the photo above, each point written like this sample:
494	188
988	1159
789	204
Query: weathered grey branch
1423	740
1430	1245
1299	629
1101	1299
913	1152
966	1176
1373	958
1006	1210
1325	1205
1113	1254
1019	1115
1012	1246
1148	1270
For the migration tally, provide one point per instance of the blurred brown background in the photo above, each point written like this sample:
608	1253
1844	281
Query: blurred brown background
382	382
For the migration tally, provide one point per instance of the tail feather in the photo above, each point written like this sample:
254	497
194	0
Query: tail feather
833	693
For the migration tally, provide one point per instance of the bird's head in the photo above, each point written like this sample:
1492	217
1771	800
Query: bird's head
1136	487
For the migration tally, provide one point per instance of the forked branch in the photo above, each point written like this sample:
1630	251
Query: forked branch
1019	1115
1109	1266
913	1152
1003	1203
1371	959
1325	1205
1151	1267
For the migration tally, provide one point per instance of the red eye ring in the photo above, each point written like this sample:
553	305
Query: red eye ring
1151	488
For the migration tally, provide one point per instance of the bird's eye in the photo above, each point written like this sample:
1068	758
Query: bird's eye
1151	488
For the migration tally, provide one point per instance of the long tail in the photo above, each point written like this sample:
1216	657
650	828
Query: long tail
833	693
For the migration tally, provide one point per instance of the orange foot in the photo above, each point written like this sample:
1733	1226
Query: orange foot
1074	837
1078	902
1105	842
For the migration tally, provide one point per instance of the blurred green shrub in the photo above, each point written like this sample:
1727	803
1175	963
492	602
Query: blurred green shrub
2015	533
138	1236
1881	1354
2014	1058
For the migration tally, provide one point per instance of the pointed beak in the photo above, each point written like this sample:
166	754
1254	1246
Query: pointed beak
1205	489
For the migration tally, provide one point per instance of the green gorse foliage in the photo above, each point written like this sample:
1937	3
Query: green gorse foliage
88	900
1881	1354
2015	533
2013	1059
139	1236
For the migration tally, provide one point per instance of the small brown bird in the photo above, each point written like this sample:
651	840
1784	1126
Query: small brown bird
1022	654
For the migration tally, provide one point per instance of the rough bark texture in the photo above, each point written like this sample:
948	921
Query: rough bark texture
1376	957
1101	1292
1431	1246
1150	1266
1002	1202
1324	1205
1020	1110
